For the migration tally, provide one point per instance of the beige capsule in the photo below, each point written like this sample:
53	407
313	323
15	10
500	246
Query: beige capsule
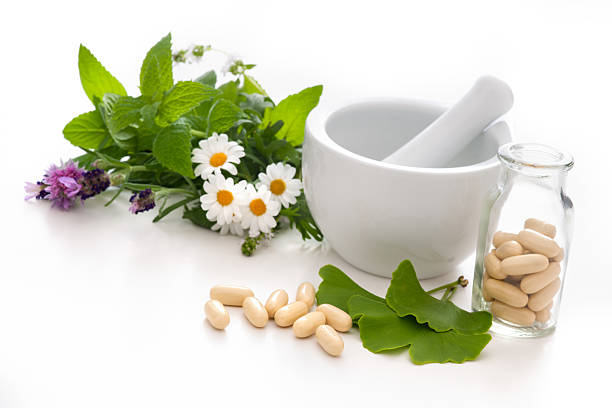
541	226
329	340
539	300
544	315
288	314
336	317
559	257
306	294
506	292
538	243
306	325
521	316
500	237
508	249
493	266
216	314
524	264
230	295
485	294
514	278
276	300
255	312
537	281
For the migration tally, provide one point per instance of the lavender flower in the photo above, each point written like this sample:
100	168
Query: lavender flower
36	190
62	186
142	201
93	182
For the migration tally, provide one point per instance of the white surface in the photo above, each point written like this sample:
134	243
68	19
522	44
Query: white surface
99	308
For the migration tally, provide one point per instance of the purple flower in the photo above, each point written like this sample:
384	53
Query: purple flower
93	182
142	201
62	184
36	190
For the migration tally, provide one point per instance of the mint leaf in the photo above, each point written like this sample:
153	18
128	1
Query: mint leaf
406	297
209	78
293	111
229	91
222	116
251	86
156	70
198	217
86	130
127	139
96	80
125	111
337	288
172	147
182	98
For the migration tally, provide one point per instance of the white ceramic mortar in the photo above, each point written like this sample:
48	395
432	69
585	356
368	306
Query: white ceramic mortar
377	214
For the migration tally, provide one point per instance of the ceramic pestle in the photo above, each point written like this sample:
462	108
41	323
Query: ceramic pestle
450	133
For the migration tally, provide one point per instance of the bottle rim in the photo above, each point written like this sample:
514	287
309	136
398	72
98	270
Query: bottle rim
535	157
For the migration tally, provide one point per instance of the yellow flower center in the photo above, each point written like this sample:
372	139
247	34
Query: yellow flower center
258	207
218	159
278	186
224	197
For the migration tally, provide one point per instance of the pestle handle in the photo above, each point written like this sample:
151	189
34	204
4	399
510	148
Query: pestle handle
450	133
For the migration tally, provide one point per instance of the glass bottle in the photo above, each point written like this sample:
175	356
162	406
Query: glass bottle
524	241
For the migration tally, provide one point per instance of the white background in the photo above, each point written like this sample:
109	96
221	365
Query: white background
99	308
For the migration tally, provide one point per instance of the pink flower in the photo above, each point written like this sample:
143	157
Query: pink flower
62	184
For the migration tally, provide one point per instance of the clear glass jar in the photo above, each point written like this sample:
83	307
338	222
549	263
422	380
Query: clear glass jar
519	271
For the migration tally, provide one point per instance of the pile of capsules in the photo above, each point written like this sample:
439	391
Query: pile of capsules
325	322
522	273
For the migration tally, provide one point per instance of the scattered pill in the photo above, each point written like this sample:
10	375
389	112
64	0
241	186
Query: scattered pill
506	293
537	281
306	294
493	266
336	317
538	243
521	316
288	314
541	226
230	295
255	312
306	325
539	300
277	299
508	249
216	314
329	340
523	264
500	237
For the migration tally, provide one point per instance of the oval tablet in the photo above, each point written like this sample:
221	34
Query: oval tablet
524	264
255	312
506	292
541	226
329	340
306	325
521	316
492	266
537	281
306	293
287	315
508	249
276	300
500	237
538	243
336	317
216	314
539	300
230	295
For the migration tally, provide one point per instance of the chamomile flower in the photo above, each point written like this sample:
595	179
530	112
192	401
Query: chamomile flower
279	180
259	211
223	199
216	153
234	228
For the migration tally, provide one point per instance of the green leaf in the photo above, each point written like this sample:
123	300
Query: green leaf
251	86
337	288
124	112
256	102
127	139
209	78
198	217
229	91
222	116
381	329
86	130
172	147
406	297
293	111
182	98
156	70
96	80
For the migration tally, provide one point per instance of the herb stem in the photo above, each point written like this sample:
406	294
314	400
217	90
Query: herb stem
460	281
197	133
448	294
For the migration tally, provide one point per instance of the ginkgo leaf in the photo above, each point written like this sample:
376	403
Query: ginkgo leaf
337	288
